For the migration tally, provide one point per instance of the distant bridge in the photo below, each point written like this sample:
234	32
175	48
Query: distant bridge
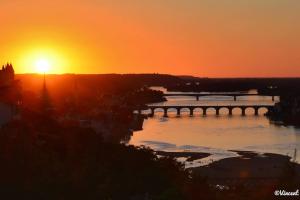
217	108
234	95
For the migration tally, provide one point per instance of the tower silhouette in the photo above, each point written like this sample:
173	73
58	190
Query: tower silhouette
7	75
45	103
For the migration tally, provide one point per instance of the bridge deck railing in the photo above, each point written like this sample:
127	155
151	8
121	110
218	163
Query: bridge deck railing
234	95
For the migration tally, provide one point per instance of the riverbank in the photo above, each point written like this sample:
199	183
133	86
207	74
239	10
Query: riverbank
189	156
251	170
249	176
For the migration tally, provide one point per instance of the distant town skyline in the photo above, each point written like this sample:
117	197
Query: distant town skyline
207	38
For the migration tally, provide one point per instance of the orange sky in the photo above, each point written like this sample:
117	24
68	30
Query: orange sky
214	38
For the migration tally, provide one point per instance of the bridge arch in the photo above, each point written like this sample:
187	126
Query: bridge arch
236	110
209	110
250	110
184	109
224	110
170	110
198	110
158	109
153	110
262	110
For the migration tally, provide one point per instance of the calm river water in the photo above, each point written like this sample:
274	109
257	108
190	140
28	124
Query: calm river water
217	134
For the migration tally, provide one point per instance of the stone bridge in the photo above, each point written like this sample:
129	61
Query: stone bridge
234	95
217	108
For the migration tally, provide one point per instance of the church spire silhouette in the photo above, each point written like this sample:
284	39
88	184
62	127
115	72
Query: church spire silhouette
46	105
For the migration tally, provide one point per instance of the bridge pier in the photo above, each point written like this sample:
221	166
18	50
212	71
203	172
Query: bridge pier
217	111
178	111
273	98
234	98
197	98
243	111
230	111
165	112
256	111
152	112
204	111
191	111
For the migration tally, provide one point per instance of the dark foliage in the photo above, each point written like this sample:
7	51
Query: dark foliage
42	159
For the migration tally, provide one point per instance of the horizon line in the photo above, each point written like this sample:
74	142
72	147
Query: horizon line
191	76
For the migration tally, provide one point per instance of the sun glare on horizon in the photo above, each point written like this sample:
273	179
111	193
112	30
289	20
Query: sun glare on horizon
43	61
42	66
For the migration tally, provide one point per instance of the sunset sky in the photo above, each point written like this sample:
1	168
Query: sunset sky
211	38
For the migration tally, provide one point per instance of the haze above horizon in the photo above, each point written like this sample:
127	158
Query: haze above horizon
208	38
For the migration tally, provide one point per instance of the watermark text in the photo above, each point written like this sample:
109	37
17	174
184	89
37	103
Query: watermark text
286	193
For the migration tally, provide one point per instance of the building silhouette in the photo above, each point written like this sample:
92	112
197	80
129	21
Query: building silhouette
7	75
8	94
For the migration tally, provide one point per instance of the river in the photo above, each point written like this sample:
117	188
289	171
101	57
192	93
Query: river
217	135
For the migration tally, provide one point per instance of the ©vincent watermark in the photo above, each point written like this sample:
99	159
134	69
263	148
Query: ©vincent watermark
286	193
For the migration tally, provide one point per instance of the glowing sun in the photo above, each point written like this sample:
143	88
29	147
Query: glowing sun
42	66
44	61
